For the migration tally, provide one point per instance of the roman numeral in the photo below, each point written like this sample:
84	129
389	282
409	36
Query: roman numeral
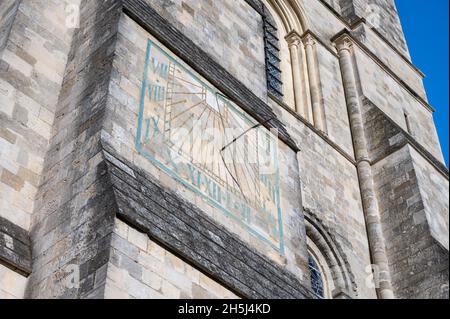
156	93
160	68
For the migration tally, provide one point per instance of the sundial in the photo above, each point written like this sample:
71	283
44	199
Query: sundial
198	136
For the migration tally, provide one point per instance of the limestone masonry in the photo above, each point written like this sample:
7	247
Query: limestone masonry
217	149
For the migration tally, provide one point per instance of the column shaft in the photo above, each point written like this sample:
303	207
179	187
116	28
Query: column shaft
294	42
369	200
314	84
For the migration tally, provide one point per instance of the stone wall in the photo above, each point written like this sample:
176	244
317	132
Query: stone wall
414	220
8	11
388	55
74	184
330	191
338	128
75	209
12	284
15	260
141	269
398	86
31	71
383	16
418	264
397	102
33	53
321	21
230	31
433	185
335	5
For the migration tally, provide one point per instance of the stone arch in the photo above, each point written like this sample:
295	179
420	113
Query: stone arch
291	13
342	276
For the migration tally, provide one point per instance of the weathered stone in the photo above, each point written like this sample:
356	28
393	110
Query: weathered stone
368	187
15	247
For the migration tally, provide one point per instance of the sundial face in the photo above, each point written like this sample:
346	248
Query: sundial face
203	140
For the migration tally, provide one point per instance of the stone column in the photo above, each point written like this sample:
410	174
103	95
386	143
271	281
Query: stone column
294	42
314	83
369	200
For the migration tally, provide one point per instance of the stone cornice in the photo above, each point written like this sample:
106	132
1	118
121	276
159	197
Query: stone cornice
346	34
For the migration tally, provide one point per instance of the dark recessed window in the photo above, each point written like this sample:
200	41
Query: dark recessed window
273	61
316	278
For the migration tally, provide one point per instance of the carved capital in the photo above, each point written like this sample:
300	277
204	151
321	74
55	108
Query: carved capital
293	39
344	44
309	40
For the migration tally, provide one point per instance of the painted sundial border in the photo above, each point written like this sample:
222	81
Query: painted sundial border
150	43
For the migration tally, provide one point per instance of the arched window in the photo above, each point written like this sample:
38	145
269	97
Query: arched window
317	281
287	78
321	276
273	61
293	74
331	275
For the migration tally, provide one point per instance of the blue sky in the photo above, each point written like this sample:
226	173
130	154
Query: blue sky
426	25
